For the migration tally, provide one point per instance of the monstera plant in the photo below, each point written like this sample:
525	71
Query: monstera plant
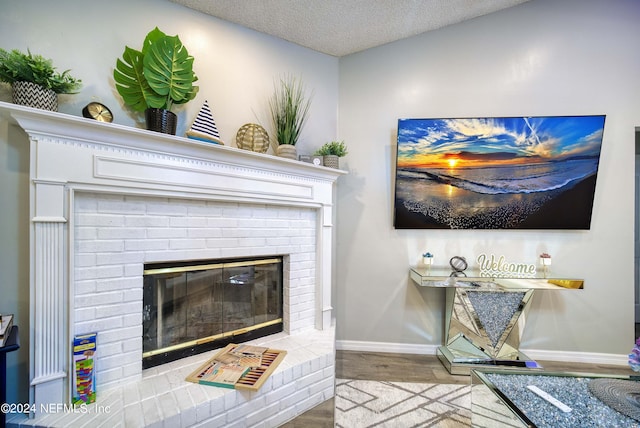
156	78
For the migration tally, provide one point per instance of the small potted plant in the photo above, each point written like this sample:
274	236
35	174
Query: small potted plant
34	80
289	108
331	153
156	78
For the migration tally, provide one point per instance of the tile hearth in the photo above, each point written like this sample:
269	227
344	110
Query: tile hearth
163	398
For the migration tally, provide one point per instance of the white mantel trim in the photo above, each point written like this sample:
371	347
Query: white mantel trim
69	153
74	128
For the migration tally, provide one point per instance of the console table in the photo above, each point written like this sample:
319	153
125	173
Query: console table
483	316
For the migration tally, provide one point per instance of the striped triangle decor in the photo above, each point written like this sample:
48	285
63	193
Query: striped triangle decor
204	127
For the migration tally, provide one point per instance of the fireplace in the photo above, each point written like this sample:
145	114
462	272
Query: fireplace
117	236
107	199
192	307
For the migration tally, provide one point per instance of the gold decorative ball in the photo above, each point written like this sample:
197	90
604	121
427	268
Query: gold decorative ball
252	137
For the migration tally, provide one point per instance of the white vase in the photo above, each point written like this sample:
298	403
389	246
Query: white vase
33	95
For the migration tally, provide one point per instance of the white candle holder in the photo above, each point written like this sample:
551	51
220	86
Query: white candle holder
428	261
545	262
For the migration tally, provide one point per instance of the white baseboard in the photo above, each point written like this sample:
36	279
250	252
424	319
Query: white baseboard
388	347
577	357
535	354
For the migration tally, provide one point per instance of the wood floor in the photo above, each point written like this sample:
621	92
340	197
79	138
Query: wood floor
412	368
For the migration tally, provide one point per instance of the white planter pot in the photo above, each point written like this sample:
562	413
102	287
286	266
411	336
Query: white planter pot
287	151
33	95
331	161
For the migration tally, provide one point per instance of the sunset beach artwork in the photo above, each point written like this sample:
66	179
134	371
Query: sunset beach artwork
497	173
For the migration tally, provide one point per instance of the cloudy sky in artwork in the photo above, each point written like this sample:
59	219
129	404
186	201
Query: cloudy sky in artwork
505	140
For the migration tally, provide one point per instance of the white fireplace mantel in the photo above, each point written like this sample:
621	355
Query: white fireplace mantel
70	153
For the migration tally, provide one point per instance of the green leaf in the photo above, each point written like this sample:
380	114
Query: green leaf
158	76
289	109
16	66
131	84
337	148
153	36
169	70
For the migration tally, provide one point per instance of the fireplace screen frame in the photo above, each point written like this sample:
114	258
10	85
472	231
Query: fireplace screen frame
246	282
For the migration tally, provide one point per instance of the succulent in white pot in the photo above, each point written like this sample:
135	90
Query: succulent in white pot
34	80
331	153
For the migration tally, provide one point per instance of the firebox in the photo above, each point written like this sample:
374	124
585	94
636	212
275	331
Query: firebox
196	306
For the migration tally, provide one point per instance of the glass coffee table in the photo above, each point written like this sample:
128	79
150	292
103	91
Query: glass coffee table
511	398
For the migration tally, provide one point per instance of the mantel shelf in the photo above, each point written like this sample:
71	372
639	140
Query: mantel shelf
36	122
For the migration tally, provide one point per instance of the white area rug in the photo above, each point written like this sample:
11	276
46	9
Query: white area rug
366	403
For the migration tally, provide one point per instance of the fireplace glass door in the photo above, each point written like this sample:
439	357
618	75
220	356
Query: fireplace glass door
190	308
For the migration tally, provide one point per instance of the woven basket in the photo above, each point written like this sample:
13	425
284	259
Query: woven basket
33	95
252	137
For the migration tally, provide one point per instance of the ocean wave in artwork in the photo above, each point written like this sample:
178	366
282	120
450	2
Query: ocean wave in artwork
533	178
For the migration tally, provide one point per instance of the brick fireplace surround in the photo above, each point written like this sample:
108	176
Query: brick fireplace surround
104	200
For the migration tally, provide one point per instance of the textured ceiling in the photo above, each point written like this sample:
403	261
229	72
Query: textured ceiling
342	27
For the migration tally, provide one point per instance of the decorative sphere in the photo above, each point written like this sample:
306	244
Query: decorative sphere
252	137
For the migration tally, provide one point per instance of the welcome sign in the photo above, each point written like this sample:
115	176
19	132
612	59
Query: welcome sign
490	265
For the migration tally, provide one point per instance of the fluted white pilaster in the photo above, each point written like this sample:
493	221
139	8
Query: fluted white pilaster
49	343
325	255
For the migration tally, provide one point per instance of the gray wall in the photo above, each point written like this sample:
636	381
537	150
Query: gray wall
544	57
236	69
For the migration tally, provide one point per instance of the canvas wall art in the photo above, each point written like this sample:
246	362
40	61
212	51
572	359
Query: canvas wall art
497	173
